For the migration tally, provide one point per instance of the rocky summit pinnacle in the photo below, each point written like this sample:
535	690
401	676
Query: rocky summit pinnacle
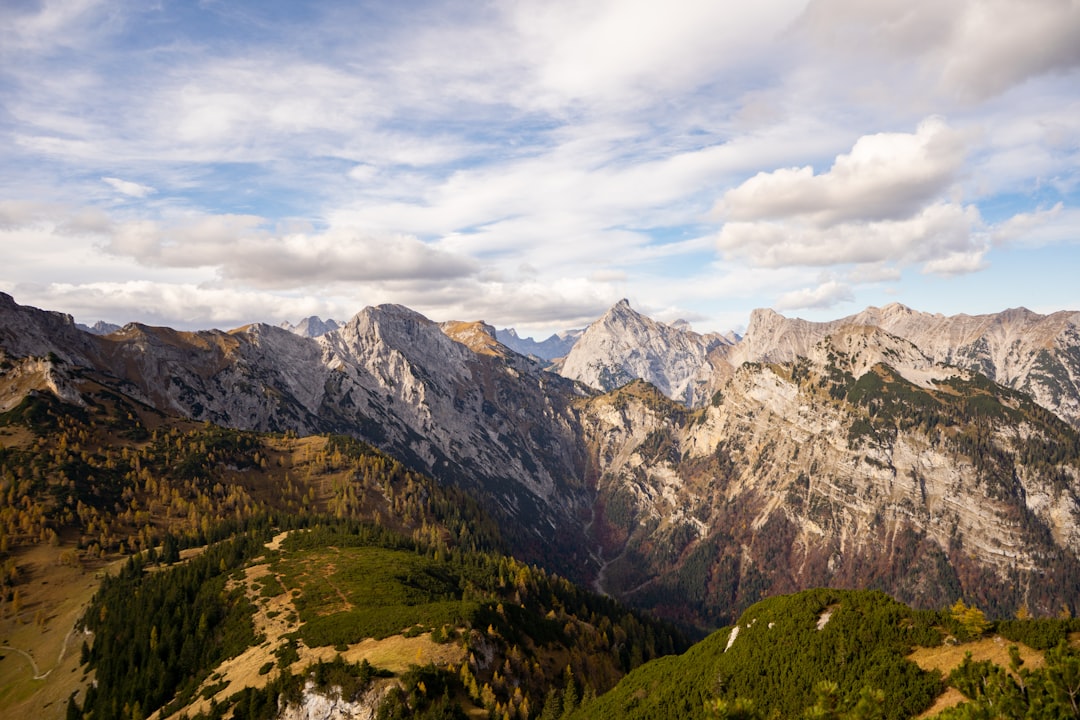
624	345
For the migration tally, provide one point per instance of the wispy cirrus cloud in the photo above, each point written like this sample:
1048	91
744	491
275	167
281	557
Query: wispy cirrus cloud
129	188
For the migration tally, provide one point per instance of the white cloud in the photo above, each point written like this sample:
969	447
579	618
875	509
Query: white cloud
1025	151
826	295
937	232
464	158
997	44
966	51
885	176
185	305
126	187
49	26
1039	228
957	263
880	203
240	248
632	51
874	273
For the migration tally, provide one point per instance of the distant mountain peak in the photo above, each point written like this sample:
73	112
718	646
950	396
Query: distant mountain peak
311	327
554	347
99	328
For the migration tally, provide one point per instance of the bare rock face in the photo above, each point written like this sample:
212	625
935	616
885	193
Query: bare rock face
317	705
624	345
1036	354
483	407
860	463
28	331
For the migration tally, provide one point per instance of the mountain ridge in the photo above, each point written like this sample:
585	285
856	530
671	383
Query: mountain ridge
810	453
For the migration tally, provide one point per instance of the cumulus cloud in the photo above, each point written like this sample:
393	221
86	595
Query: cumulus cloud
880	203
957	263
939	231
885	176
126	187
826	295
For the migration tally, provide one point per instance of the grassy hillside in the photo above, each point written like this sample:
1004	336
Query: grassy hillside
854	655
165	637
776	655
375	569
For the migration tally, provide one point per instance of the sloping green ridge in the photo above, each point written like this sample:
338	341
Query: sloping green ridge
779	656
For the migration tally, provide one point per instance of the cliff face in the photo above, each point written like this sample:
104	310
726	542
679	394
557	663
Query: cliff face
1036	354
491	420
862	463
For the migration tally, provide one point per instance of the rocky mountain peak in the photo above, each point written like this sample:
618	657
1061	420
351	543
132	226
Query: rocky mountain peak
395	324
312	326
30	331
624	345
555	346
99	328
771	337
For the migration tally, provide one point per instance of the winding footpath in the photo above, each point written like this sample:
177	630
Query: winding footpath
38	675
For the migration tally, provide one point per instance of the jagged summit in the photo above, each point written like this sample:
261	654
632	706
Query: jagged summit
1036	354
554	347
99	328
624	345
312	326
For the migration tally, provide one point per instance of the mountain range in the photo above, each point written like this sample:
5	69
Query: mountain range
692	474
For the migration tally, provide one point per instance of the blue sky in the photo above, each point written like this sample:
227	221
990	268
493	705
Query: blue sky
531	162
